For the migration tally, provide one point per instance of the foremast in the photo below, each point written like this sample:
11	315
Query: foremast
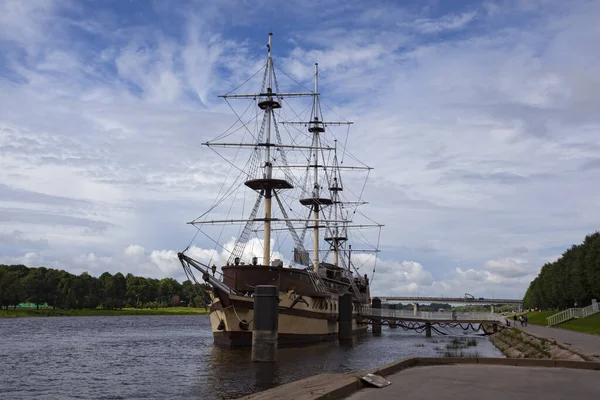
268	106
265	185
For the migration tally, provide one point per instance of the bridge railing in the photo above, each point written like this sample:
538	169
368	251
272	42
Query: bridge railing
386	299
368	311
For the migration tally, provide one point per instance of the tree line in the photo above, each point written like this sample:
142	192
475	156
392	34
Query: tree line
61	289
572	279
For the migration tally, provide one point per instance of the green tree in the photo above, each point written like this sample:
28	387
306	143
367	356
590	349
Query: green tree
11	290
572	279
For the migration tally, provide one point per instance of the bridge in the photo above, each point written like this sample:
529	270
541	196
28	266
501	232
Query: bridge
425	320
466	299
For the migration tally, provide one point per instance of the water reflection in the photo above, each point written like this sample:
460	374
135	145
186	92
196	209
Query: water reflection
266	375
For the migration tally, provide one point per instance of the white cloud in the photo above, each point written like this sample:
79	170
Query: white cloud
134	251
448	22
471	274
508	267
472	119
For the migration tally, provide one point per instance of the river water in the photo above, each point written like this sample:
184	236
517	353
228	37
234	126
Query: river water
173	357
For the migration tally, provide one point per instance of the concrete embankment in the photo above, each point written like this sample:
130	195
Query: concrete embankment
340	386
514	343
585	344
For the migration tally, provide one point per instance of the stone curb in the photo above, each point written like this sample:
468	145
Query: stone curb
347	387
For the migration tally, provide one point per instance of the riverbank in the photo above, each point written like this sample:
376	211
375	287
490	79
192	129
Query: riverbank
48	312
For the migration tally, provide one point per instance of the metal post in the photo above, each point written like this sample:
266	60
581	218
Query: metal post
266	323
427	329
345	317
376	306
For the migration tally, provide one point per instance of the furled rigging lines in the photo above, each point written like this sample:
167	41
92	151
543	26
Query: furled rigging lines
240	245
299	244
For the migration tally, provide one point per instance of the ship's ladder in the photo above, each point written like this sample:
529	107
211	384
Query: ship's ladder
317	282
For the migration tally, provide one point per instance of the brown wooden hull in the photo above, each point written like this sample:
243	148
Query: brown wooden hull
244	338
243	278
314	319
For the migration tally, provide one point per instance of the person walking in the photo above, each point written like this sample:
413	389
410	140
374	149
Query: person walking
525	319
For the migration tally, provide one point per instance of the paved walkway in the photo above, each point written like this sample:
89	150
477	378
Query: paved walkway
486	382
583	343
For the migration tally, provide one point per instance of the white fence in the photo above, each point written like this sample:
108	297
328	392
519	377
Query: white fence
571	313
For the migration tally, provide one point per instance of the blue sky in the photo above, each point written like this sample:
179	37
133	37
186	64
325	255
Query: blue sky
480	119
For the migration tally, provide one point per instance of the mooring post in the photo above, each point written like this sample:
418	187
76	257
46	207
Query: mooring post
427	329
345	317
266	323
376	306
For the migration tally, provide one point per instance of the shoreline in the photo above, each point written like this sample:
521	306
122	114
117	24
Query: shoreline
48	312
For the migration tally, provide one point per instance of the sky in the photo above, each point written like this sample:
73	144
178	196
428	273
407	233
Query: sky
480	120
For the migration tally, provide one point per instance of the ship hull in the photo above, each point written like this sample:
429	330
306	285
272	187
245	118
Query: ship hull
301	321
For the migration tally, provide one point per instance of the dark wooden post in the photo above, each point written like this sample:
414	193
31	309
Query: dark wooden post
376	307
345	317
266	323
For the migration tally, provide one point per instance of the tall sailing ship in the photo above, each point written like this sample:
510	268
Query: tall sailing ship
297	195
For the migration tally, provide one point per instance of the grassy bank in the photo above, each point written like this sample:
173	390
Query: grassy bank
99	312
539	317
586	325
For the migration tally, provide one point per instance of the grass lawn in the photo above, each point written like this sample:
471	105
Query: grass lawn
539	317
98	312
586	325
